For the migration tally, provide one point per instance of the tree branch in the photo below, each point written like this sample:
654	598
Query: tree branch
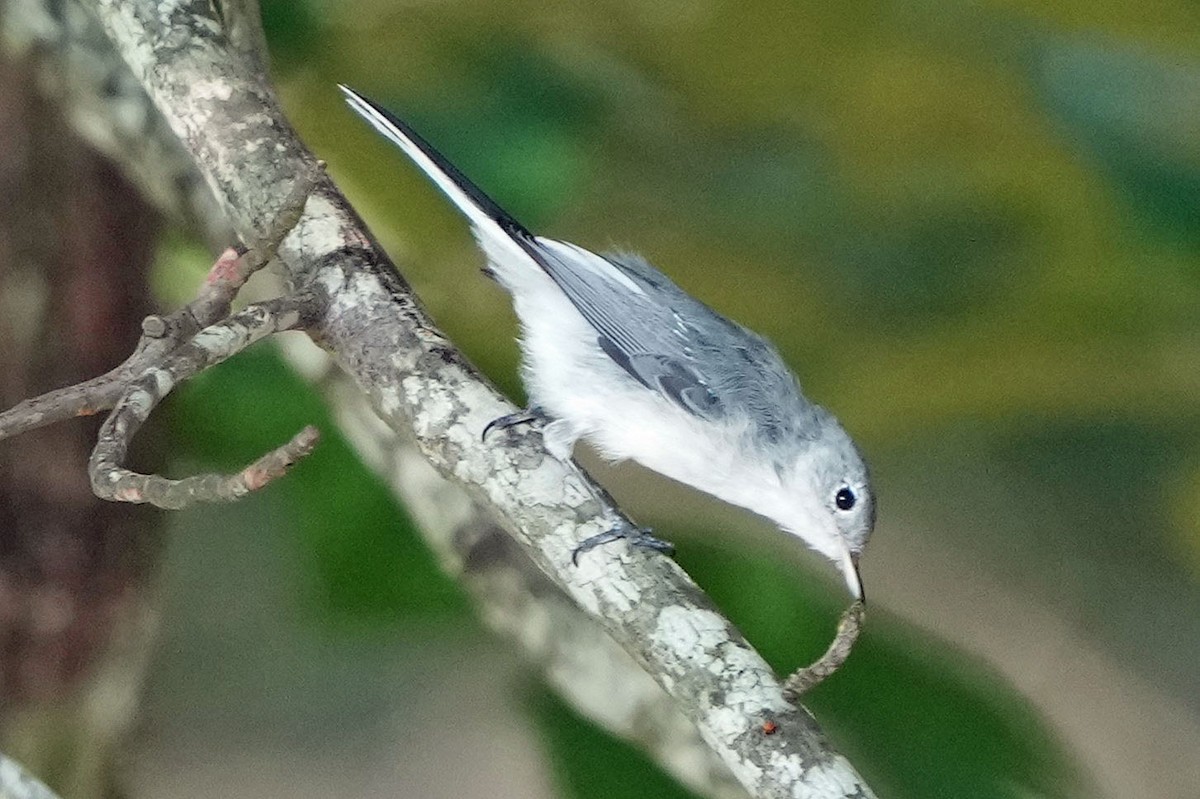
171	350
805	679
223	111
161	336
580	660
212	345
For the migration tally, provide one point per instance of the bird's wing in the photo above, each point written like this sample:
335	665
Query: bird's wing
645	323
663	338
673	343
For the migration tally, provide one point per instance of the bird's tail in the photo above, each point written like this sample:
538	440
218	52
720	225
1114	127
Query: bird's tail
486	217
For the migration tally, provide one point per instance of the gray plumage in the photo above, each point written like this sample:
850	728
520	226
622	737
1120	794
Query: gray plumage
673	343
616	353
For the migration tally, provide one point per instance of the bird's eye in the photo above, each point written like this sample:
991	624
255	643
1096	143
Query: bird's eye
845	499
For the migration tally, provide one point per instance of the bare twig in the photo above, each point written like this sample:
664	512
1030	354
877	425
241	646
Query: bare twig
161	335
214	344
805	679
82	399
172	349
122	485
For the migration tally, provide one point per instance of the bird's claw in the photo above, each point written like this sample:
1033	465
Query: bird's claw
635	536
528	416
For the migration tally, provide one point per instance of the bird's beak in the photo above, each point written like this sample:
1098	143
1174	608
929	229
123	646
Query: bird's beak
853	579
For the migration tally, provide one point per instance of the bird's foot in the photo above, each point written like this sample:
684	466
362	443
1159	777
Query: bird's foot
635	536
528	416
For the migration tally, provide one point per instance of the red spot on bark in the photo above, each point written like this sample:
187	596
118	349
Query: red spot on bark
226	269
255	478
129	495
769	727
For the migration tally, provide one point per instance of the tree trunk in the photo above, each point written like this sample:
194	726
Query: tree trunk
76	243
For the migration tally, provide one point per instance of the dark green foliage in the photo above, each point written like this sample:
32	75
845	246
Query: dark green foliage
917	717
588	762
1135	113
365	562
292	29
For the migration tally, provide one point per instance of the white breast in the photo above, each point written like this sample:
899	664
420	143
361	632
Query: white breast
572	379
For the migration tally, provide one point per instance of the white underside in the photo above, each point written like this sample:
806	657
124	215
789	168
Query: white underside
591	397
588	396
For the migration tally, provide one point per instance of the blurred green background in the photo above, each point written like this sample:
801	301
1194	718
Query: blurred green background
973	230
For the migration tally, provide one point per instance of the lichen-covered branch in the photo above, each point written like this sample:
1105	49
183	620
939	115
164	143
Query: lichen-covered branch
212	345
222	109
172	349
580	660
161	335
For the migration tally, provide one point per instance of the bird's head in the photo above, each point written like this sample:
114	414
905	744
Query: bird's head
827	499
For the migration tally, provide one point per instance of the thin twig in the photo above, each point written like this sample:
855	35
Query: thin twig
807	678
161	335
176	494
216	343
227	276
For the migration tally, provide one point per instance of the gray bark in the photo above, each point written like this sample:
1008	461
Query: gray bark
76	574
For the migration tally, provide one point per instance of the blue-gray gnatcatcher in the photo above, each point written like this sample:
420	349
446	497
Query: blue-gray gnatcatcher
617	354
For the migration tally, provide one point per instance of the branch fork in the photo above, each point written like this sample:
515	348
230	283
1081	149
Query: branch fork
172	349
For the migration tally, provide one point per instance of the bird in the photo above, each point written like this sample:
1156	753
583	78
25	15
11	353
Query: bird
616	354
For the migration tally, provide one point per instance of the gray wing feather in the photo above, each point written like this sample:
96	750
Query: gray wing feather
675	345
638	324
